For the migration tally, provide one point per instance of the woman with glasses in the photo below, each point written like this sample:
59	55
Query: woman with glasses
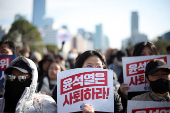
21	82
93	59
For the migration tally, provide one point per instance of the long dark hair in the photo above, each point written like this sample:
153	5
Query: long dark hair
41	83
140	46
80	59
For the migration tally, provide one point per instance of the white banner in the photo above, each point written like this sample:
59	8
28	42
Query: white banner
134	106
63	35
80	86
134	71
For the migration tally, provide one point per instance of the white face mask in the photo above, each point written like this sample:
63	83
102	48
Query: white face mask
72	56
119	63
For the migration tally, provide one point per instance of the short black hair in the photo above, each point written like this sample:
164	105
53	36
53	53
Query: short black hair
11	45
141	45
81	58
168	48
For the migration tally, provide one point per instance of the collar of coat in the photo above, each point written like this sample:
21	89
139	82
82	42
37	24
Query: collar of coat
156	97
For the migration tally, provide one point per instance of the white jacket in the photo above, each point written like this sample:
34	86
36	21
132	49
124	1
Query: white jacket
45	86
31	102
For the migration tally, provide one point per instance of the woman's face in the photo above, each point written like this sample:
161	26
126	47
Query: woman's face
93	62
147	51
53	70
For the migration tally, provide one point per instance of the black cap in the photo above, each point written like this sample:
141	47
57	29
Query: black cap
19	65
154	65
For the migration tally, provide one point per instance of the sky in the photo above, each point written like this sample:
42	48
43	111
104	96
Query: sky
114	15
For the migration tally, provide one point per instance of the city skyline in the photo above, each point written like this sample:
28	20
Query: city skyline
115	16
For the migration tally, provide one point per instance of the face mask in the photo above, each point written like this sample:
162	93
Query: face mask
160	86
72	56
119	63
16	88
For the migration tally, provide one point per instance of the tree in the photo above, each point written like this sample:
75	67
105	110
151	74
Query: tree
161	46
52	47
29	34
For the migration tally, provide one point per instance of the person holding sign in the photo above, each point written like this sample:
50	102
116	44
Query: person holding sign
21	82
157	75
93	59
140	49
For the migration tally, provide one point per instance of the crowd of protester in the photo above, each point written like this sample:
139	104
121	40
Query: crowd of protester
37	76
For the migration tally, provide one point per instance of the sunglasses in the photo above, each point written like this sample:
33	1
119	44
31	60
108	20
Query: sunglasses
21	78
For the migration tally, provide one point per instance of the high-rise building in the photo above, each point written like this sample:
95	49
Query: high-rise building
81	44
134	23
100	40
38	13
98	37
44	24
136	36
105	43
50	35
166	36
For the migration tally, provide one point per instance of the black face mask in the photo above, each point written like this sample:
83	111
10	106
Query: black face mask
16	88
160	86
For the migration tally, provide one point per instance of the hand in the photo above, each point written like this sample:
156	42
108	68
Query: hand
123	88
88	109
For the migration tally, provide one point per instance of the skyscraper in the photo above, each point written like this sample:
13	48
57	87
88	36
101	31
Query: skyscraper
98	37
38	13
134	23
136	36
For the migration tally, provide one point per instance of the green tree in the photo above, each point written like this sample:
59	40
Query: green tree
52	47
29	34
161	46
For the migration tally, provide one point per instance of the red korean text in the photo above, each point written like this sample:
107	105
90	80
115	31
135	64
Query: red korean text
137	80
139	67
86	94
81	80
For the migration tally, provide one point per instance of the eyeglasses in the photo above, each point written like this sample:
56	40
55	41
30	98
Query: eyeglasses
91	66
21	78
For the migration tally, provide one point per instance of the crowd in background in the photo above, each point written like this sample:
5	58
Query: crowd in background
52	62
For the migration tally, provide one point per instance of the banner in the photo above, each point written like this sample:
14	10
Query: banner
134	106
80	86
5	60
63	35
134	71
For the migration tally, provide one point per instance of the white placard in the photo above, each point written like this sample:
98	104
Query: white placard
92	86
134	71
134	106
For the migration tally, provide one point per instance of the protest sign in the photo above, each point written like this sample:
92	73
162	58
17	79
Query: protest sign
5	60
134	106
134	71
63	35
80	86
